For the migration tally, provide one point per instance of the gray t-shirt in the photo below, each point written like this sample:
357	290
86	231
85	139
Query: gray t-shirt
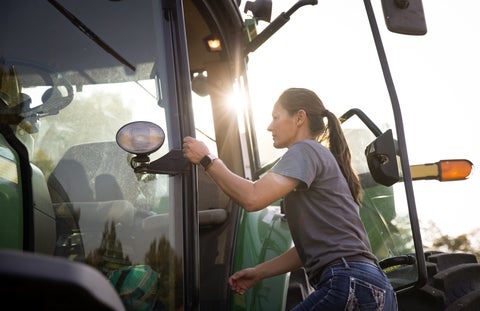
322	215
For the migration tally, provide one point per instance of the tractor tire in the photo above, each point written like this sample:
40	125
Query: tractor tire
453	284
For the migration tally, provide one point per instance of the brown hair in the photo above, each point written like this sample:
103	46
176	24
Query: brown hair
329	134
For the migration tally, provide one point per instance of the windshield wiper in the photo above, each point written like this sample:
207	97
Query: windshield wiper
83	28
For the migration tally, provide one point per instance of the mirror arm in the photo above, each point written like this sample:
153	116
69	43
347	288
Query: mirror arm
173	163
365	119
274	26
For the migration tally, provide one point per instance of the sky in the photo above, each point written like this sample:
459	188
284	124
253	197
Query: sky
436	78
441	96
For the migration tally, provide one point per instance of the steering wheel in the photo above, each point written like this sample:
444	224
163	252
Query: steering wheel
53	99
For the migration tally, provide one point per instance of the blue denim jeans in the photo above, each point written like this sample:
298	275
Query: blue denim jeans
351	286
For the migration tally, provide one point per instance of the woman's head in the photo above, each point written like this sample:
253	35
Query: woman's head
295	99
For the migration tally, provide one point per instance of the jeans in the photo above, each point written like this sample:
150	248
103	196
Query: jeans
351	286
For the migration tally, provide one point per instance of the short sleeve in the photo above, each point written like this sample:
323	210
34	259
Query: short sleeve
299	162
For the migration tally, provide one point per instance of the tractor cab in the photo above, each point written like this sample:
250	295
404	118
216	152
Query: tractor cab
97	203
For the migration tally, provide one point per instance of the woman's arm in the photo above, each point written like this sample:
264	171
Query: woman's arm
244	279
251	195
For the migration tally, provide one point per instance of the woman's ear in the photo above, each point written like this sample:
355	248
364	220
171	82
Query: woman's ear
301	116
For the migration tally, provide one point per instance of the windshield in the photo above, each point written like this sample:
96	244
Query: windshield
81	77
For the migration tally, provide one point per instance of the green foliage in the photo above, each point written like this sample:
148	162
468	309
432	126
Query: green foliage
463	243
99	120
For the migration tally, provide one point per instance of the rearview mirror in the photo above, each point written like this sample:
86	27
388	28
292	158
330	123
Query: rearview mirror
405	16
382	159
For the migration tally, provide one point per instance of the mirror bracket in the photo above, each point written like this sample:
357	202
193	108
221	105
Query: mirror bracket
173	163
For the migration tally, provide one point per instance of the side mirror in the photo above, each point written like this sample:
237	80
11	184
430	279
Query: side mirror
382	159
405	16
140	138
143	138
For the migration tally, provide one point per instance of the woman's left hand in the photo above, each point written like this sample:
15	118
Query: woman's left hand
244	279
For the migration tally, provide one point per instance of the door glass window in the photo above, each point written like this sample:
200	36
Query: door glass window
79	81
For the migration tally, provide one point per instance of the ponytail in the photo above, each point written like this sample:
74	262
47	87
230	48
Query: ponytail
334	139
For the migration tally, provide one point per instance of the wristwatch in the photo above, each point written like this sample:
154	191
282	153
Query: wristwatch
207	160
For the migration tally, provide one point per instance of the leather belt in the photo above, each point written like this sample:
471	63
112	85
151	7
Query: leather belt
353	258
357	258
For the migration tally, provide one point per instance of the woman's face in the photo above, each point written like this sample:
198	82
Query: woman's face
283	127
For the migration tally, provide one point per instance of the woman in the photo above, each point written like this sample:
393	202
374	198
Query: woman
321	193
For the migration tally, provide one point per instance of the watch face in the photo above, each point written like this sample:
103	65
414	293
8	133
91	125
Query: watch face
205	161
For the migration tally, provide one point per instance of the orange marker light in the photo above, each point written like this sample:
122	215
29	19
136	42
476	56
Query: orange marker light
455	169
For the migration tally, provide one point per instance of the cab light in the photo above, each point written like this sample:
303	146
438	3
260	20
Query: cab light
213	44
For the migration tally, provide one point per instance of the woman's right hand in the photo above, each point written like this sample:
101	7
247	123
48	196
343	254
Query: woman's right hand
194	150
243	280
